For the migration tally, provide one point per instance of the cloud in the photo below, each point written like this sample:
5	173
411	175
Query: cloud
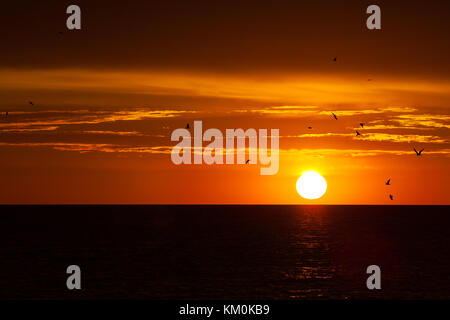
316	110
91	147
375	137
423	120
357	152
116	133
412	121
355	112
25	130
102	130
56	119
303	88
282	110
401	138
319	135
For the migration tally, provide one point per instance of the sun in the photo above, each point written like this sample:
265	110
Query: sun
311	185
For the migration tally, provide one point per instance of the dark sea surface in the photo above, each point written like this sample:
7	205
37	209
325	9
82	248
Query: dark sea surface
225	252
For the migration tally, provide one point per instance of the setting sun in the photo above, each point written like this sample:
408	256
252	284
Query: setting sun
311	185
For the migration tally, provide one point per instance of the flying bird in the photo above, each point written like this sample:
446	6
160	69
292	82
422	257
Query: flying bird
334	116
187	126
357	133
246	162
419	153
391	197
362	125
31	102
388	183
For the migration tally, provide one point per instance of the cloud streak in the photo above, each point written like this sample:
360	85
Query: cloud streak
21	121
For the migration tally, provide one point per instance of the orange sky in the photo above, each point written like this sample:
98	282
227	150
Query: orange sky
108	97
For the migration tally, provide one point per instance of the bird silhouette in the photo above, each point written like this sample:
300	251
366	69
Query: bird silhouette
357	133
362	125
334	116
419	153
31	102
388	183
187	126
335	58
246	162
309	127
391	197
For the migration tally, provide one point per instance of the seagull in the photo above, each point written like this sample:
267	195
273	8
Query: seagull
357	133
391	197
334	116
187	126
388	183
335	58
362	125
246	162
419	153
31	102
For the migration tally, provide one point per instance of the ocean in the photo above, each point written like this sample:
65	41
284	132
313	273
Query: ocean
224	252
